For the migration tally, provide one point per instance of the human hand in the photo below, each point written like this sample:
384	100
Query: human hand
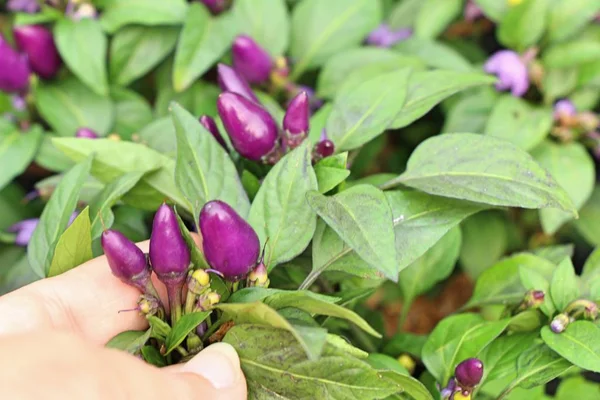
52	334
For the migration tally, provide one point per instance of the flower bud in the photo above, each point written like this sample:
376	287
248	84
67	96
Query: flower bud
198	282
324	148
462	395
564	109
469	372
407	362
216	6
126	261
230	244
252	129
384	36
206	301
533	299
24	230
296	120
231	81
209	124
149	305
250	60
36	41
259	276
86	133
169	254
511	72
14	69
590	311
588	121
559	323
201	329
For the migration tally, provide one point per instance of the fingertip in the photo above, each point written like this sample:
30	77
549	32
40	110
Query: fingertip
218	363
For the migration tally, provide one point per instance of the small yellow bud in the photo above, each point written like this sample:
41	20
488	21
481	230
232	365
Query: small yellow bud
461	396
201	277
513	3
213	298
407	362
114	136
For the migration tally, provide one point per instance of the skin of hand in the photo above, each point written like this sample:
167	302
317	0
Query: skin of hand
52	337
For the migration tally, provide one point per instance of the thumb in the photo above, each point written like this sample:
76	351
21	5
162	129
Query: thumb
214	373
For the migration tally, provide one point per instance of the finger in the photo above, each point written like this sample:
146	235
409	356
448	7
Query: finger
65	367
85	300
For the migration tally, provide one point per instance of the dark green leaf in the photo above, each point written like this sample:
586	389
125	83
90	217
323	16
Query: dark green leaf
55	217
434	16
354	121
482	169
564	287
153	357
337	374
265	21
321	29
362	217
252	294
434	54
74	246
202	42
135	50
159	328
331	171
280	211
538	365
16	151
500	357
484	241
82	46
197	256
100	207
68	105
524	24
132	112
182	328
118	13
203	170
129	341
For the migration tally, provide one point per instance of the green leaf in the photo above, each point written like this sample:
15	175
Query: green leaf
315	305
455	339
136	49
49	157
132	112
567	17
336	374
518	122
46	14
428	88
322	29
588	224
571	54
17	151
590	277
265	21
484	242
203	41
203	170
118	13
579	343
578	387
82	46
573	168
252	294
331	171
129	341
100	207
538	365
471	113
160	135
68	105
501	284
113	159
197	257
362	217
559	83
312	339
153	357
434	16
159	328
404	14
354	121
339	67
500	357
534	280
412	388
434	54
280	211
55	217
432	267
182	328
493	9
482	169
404	342
74	246
524	24
564	287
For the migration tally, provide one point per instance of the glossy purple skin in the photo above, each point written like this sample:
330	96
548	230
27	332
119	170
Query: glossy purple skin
169	254
37	42
384	36
297	115
564	108
86	133
126	261
209	124
26	6
469	372
24	230
325	148
230	244
215	6
250	60
252	130
231	81
511	72
14	69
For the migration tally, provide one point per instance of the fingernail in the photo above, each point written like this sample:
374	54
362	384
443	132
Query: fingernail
218	363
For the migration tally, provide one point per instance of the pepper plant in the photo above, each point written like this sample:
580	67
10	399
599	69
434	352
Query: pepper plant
368	199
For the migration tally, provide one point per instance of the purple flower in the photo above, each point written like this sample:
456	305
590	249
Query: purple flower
26	6
230	244
469	372
209	124
472	11
511	72
384	36
252	130
86	133
24	230
250	60
14	69
231	81
37	42
564	109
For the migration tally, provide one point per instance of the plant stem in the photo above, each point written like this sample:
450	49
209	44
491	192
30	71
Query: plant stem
314	274
190	301
507	391
174	293
182	351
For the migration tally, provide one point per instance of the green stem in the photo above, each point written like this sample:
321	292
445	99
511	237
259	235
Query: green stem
190	301
212	328
174	293
507	391
314	274
182	351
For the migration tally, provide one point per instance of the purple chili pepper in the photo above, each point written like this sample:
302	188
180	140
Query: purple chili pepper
469	372
14	69
250	60
511	72
209	124
37	42
324	148
231	81
86	133
126	261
